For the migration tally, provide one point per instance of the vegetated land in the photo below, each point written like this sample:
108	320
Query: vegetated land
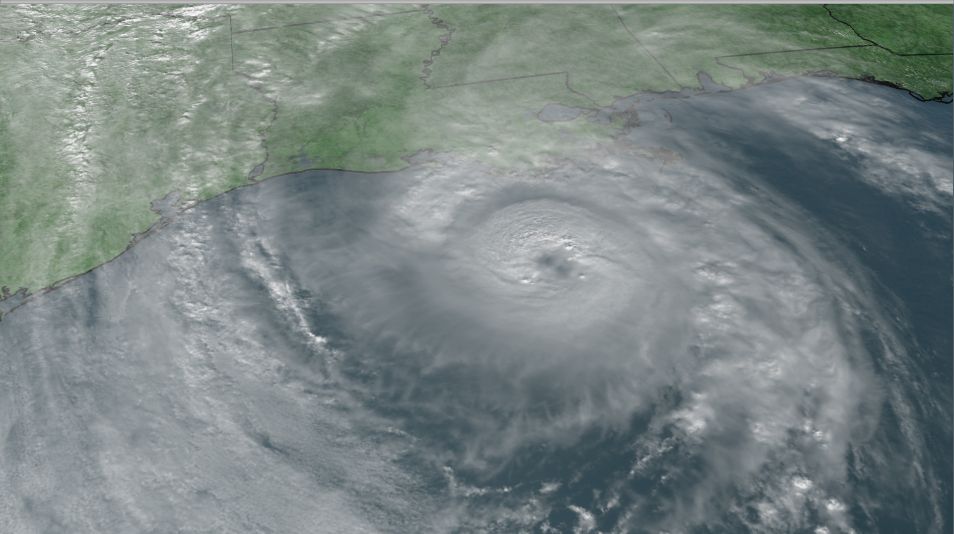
104	109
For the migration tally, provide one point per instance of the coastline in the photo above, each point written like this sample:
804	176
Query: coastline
11	300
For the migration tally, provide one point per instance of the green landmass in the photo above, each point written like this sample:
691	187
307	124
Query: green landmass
106	108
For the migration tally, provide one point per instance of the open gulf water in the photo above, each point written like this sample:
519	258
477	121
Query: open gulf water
734	316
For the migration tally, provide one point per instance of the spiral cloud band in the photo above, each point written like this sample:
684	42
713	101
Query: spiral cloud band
636	335
577	295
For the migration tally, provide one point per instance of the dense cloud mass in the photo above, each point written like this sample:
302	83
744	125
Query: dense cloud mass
649	334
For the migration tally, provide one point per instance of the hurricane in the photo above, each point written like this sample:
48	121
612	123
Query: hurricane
658	332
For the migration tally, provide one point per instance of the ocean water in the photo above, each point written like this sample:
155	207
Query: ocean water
733	317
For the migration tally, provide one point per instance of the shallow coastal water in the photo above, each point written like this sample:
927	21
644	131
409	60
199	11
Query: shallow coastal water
734	317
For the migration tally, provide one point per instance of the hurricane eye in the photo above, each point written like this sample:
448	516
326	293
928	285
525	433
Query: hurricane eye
556	263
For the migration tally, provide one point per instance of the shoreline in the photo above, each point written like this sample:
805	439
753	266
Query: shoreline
169	212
